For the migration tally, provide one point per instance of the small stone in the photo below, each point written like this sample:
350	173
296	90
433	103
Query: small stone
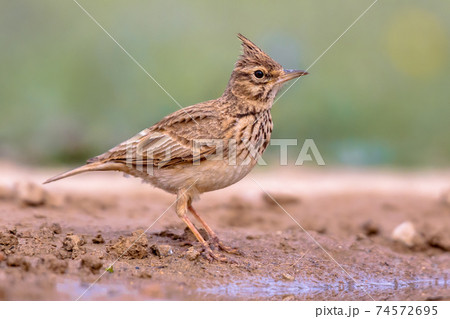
98	239
2	256
162	250
92	263
288	298
288	277
405	233
192	254
30	194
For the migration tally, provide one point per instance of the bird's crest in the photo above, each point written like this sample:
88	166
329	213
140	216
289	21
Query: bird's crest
253	55
249	48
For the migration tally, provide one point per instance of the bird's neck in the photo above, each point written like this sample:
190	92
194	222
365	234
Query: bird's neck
240	105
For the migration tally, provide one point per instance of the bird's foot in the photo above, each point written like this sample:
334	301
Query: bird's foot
211	256
217	244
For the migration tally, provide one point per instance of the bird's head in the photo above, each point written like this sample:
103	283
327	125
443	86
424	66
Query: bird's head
256	76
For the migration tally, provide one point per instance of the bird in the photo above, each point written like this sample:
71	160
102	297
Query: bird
207	146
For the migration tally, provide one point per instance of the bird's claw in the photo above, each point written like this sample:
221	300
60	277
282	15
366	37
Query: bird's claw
211	256
217	244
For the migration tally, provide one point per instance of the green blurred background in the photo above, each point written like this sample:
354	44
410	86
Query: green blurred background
380	96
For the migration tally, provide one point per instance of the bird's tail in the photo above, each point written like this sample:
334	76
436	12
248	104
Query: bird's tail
97	166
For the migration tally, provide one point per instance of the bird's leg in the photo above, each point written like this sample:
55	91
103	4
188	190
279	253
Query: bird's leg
182	203
214	238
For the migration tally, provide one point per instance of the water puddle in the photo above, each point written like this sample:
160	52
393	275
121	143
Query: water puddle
263	288
267	288
75	289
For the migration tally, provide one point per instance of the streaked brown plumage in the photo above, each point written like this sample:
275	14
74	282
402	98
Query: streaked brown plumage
206	146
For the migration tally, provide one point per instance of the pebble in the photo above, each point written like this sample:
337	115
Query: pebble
30	194
192	253
288	298
405	233
288	277
162	250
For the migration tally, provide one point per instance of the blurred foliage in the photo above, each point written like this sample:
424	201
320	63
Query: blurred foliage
380	96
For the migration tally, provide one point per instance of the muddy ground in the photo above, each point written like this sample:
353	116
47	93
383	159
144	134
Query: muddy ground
340	235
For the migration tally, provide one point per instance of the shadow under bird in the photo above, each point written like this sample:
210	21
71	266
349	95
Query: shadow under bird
180	154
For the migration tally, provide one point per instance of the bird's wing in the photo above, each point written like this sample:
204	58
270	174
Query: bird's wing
161	149
177	139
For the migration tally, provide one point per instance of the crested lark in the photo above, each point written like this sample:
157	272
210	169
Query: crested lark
206	146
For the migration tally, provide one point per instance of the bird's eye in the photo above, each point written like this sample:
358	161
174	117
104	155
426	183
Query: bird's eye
259	74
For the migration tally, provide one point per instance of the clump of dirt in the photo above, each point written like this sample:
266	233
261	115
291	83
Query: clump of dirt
18	261
49	231
370	228
189	237
192	254
440	240
8	242
91	263
72	247
54	264
130	247
98	239
144	274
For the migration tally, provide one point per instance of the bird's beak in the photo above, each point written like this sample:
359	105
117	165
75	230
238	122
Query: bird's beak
290	74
